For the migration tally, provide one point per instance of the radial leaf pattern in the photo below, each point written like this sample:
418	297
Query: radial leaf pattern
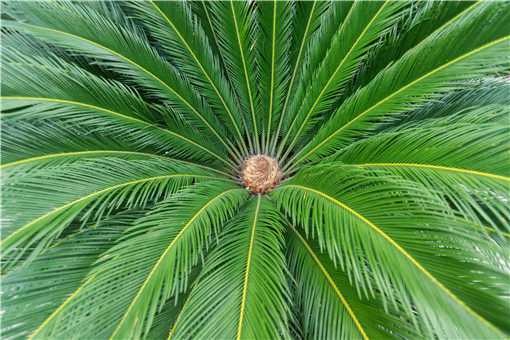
255	170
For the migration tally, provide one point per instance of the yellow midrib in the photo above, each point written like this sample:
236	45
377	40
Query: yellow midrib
96	193
271	89
216	41
181	232
86	152
188	104
294	72
193	55
402	251
339	65
245	69
99	108
247	273
74	153
436	167
333	285
462	13
382	101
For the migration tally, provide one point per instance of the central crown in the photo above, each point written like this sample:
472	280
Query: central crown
260	173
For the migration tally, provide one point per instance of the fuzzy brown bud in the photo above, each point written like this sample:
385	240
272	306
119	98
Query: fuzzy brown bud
260	173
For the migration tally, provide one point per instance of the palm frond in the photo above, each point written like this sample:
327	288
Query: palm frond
235	27
446	156
61	90
371	231
308	12
252	303
431	68
122	48
185	42
56	192
331	307
161	248
41	287
196	216
364	23
23	141
423	18
274	20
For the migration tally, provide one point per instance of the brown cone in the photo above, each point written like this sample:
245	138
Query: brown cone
260	173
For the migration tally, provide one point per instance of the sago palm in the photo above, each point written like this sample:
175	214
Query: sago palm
255	170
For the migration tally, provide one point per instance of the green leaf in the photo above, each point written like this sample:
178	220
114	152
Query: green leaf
186	43
331	307
377	221
274	20
195	216
64	91
148	265
120	47
56	193
252	302
235	26
463	156
433	67
308	12
422	19
42	287
363	25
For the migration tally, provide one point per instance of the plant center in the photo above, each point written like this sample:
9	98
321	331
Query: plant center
260	173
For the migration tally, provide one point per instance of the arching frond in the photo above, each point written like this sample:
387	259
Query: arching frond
274	20
194	226
331	17
54	78
431	68
161	249
464	157
185	42
59	90
364	23
422	19
119	47
331	307
43	198
358	229
24	141
308	12
252	303
235	27
28	141
41	287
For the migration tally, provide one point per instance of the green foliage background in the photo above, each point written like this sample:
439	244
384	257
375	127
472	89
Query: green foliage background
124	127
